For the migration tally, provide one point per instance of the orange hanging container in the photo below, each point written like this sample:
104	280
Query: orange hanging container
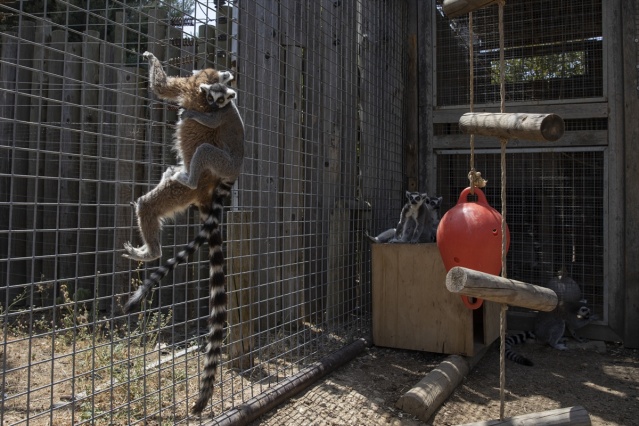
469	235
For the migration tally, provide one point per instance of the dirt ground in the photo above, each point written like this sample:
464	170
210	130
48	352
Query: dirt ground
364	391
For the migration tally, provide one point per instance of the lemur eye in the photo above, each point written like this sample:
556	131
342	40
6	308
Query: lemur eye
220	101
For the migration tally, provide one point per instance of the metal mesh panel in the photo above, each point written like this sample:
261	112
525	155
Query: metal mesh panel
555	212
81	138
553	51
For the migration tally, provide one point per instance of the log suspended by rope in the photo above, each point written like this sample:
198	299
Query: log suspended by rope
469	282
534	127
455	8
570	416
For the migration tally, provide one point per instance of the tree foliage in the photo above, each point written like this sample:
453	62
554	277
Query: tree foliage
82	15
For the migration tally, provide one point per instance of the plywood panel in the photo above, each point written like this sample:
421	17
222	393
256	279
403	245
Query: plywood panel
412	309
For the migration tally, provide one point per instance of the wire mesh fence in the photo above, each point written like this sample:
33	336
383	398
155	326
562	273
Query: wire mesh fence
81	137
553	59
555	212
552	50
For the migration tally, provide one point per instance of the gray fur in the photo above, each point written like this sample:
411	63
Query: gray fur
431	220
551	326
417	222
213	169
571	300
225	162
412	218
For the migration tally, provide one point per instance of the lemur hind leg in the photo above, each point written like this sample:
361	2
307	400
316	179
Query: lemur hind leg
207	157
162	202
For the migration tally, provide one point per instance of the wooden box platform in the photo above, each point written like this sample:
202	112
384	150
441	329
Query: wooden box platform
412	309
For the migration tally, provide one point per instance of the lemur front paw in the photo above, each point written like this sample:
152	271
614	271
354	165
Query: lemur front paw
185	114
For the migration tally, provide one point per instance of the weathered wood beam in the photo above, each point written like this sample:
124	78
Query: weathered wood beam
535	127
569	416
423	399
455	8
469	282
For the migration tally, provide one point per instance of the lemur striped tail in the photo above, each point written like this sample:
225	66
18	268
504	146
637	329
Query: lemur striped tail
210	223
516	339
217	304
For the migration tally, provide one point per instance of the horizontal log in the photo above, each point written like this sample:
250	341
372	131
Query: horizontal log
423	399
469	282
455	8
269	399
570	416
534	127
431	392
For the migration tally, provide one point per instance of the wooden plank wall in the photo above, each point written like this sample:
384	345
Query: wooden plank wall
313	118
630	31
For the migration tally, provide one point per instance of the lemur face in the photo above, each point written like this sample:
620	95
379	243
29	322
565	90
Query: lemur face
583	313
218	94
435	203
415	198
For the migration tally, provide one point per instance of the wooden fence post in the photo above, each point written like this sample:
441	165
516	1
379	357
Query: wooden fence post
88	167
241	279
8	57
69	175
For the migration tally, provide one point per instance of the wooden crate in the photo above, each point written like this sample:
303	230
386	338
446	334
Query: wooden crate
412	309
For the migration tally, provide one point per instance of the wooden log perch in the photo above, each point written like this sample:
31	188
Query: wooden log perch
570	416
431	392
455	8
423	399
469	282
533	127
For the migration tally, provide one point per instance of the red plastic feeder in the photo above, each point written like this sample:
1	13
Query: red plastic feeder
469	235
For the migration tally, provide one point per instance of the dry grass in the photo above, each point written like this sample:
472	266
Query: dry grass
64	366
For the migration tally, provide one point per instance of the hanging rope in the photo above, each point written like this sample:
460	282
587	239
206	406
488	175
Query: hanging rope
474	177
504	307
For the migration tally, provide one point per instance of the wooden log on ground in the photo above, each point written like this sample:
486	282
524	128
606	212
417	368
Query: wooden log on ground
533	127
455	8
570	416
264	402
423	399
469	282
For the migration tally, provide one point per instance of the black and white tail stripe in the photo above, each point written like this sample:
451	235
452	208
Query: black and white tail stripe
517	339
217	303
210	223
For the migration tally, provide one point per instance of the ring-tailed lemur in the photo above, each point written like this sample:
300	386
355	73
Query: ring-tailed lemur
429	234
418	219
551	326
570	314
200	125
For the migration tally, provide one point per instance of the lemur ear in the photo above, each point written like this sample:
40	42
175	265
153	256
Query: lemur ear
205	88
408	194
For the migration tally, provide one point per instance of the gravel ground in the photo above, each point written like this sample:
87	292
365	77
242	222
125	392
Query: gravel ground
364	391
